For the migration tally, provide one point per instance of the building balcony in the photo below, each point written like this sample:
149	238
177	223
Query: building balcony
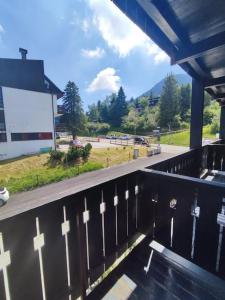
158	232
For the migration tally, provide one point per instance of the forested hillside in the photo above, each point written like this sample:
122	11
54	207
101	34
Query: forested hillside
138	116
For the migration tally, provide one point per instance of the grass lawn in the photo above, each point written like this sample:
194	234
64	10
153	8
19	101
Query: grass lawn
29	172
183	138
115	156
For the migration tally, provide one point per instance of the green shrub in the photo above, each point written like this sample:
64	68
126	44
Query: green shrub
176	122
88	147
215	127
98	128
86	152
184	125
73	155
55	156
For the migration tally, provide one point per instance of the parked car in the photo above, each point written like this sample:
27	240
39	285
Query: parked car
111	137
4	196
141	141
76	143
125	137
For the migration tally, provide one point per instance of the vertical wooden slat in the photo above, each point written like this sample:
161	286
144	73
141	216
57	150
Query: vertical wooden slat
54	251
23	272
183	221
148	191
122	220
209	201
110	222
163	215
75	208
94	197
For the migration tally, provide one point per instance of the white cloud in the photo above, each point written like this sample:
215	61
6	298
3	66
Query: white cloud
76	20
96	53
2	31
120	33
85	25
159	55
106	79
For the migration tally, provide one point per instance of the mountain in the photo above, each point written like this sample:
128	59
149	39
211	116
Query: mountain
157	88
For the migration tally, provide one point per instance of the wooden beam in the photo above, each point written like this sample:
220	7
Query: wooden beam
199	49
139	16
183	39
219	96
198	69
170	18
214	82
197	106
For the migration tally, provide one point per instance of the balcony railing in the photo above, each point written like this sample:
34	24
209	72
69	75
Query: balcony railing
61	249
188	216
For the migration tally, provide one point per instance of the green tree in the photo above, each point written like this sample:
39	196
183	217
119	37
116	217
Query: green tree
93	113
131	121
168	107
185	101
103	108
150	118
98	128
118	108
211	113
144	102
74	117
207	99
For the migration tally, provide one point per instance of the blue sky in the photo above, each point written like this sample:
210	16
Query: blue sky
87	41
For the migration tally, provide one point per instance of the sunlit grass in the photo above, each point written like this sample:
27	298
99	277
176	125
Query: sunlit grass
29	172
115	156
183	138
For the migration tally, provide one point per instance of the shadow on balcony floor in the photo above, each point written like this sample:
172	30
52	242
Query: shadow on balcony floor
165	279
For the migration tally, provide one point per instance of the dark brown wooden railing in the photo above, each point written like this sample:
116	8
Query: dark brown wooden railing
61	249
193	162
189	164
216	157
188	216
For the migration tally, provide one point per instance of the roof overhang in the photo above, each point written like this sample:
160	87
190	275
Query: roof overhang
191	32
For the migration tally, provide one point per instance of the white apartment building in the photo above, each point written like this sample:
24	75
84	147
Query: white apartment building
28	105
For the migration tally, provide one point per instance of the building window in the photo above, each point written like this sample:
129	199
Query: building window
31	136
2	120
3	137
1	98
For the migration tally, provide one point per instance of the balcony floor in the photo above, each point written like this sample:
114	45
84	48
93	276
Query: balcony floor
166	279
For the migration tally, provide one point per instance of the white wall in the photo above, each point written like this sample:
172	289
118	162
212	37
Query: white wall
26	111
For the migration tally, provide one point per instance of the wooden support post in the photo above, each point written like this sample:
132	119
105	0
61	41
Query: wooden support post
222	123
197	106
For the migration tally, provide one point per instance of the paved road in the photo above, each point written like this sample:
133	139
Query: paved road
24	201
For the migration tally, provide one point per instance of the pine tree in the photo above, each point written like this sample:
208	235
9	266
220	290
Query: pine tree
74	116
185	100
118	108
169	107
